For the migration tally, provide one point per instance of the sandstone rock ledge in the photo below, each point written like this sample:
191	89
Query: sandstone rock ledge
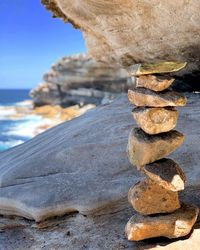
81	166
137	31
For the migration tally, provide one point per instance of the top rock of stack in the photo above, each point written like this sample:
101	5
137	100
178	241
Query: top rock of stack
155	83
156	68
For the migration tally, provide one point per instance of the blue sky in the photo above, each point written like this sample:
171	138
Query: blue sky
31	41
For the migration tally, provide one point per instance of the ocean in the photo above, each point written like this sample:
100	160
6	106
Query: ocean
20	122
14	128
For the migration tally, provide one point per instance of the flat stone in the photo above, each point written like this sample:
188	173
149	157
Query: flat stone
146	97
143	148
147	197
155	120
166	173
153	82
172	225
155	68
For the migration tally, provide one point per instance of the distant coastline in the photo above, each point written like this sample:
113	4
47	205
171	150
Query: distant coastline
20	121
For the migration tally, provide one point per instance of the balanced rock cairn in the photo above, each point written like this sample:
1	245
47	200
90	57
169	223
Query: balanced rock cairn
155	197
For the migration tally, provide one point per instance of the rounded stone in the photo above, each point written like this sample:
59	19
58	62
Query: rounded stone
147	197
155	120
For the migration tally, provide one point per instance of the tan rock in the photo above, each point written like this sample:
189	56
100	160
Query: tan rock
153	82
166	173
155	120
143	148
147	197
146	97
172	225
129	31
155	68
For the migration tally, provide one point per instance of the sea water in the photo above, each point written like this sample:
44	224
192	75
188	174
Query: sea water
15	131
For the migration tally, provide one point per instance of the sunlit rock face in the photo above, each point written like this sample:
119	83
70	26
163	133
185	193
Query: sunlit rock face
133	31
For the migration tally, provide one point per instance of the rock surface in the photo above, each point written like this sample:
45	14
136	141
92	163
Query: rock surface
155	120
67	160
153	82
185	243
166	173
143	148
102	136
79	79
148	197
149	98
129	32
173	225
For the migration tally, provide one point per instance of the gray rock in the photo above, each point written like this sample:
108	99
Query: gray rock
74	230
70	167
81	165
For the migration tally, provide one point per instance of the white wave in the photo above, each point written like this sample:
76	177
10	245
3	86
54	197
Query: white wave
30	126
5	112
26	103
17	111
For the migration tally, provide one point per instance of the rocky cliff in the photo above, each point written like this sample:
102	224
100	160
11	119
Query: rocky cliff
79	79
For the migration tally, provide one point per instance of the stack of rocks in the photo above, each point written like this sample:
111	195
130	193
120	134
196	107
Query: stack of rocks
156	197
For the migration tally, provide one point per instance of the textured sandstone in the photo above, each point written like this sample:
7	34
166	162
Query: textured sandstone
155	120
128	32
173	225
153	82
144	148
149	98
147	197
166	173
155	68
